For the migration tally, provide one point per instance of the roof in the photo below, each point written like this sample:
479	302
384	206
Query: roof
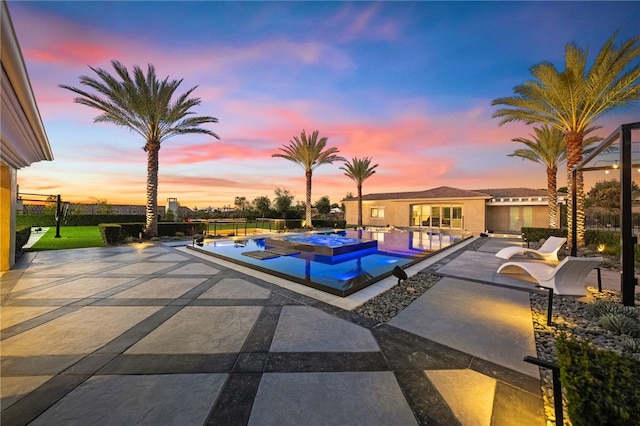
514	192
440	192
23	140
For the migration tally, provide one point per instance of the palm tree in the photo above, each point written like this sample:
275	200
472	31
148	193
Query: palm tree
309	152
144	105
549	148
572	99
359	170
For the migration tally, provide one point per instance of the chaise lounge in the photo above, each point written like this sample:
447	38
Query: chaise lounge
548	251
566	278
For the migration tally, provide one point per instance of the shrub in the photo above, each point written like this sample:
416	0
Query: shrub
630	344
603	307
22	237
602	386
620	324
110	233
537	234
328	223
77	220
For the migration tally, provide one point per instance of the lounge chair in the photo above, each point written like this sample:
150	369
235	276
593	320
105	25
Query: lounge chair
548	251
566	278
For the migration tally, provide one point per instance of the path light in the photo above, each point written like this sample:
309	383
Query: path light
399	273
601	247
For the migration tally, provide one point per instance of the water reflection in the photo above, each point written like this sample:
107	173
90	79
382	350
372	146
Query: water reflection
339	274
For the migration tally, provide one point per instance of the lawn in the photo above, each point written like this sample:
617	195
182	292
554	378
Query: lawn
70	237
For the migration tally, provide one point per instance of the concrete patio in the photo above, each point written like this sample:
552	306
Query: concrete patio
151	334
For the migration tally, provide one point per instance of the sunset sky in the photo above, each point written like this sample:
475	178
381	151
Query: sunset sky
407	83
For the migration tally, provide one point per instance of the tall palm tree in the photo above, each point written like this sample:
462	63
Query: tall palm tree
144	105
572	99
359	170
309	152
549	148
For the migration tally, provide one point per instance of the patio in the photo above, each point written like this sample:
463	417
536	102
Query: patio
153	334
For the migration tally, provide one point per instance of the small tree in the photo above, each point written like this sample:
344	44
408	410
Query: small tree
323	205
262	205
606	195
283	201
102	207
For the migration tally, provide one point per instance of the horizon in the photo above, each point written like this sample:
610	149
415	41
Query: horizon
408	84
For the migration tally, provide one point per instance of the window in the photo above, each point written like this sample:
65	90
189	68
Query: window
377	212
437	216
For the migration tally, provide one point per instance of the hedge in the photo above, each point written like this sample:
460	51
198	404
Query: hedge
328	223
165	229
22	237
537	234
591	236
602	386
111	233
77	220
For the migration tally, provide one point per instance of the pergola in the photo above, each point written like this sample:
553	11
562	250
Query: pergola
628	240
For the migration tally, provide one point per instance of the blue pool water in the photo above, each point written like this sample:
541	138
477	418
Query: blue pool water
340	274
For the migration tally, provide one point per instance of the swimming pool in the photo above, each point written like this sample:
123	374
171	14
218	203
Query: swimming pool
359	259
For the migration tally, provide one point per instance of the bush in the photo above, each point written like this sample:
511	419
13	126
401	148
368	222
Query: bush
110	233
172	229
131	230
537	234
602	386
22	237
35	220
77	219
328	223
602	307
165	229
620	324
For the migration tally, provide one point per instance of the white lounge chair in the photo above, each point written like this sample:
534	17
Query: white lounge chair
566	278
548	251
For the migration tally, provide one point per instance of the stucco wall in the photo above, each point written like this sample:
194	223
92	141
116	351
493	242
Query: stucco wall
8	195
398	212
498	218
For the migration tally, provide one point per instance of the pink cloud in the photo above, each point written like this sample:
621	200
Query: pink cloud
76	52
355	21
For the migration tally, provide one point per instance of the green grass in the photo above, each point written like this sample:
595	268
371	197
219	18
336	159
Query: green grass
70	237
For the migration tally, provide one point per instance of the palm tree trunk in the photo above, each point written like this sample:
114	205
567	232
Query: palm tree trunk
574	156
359	204
151	228
309	224
552	196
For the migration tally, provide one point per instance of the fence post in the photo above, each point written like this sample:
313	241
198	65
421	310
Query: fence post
58	215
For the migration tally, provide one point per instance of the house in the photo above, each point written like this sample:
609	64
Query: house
23	140
453	209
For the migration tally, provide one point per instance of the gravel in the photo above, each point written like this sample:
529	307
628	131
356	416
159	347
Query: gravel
570	316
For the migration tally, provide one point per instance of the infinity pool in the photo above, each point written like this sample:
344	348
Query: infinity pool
303	258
